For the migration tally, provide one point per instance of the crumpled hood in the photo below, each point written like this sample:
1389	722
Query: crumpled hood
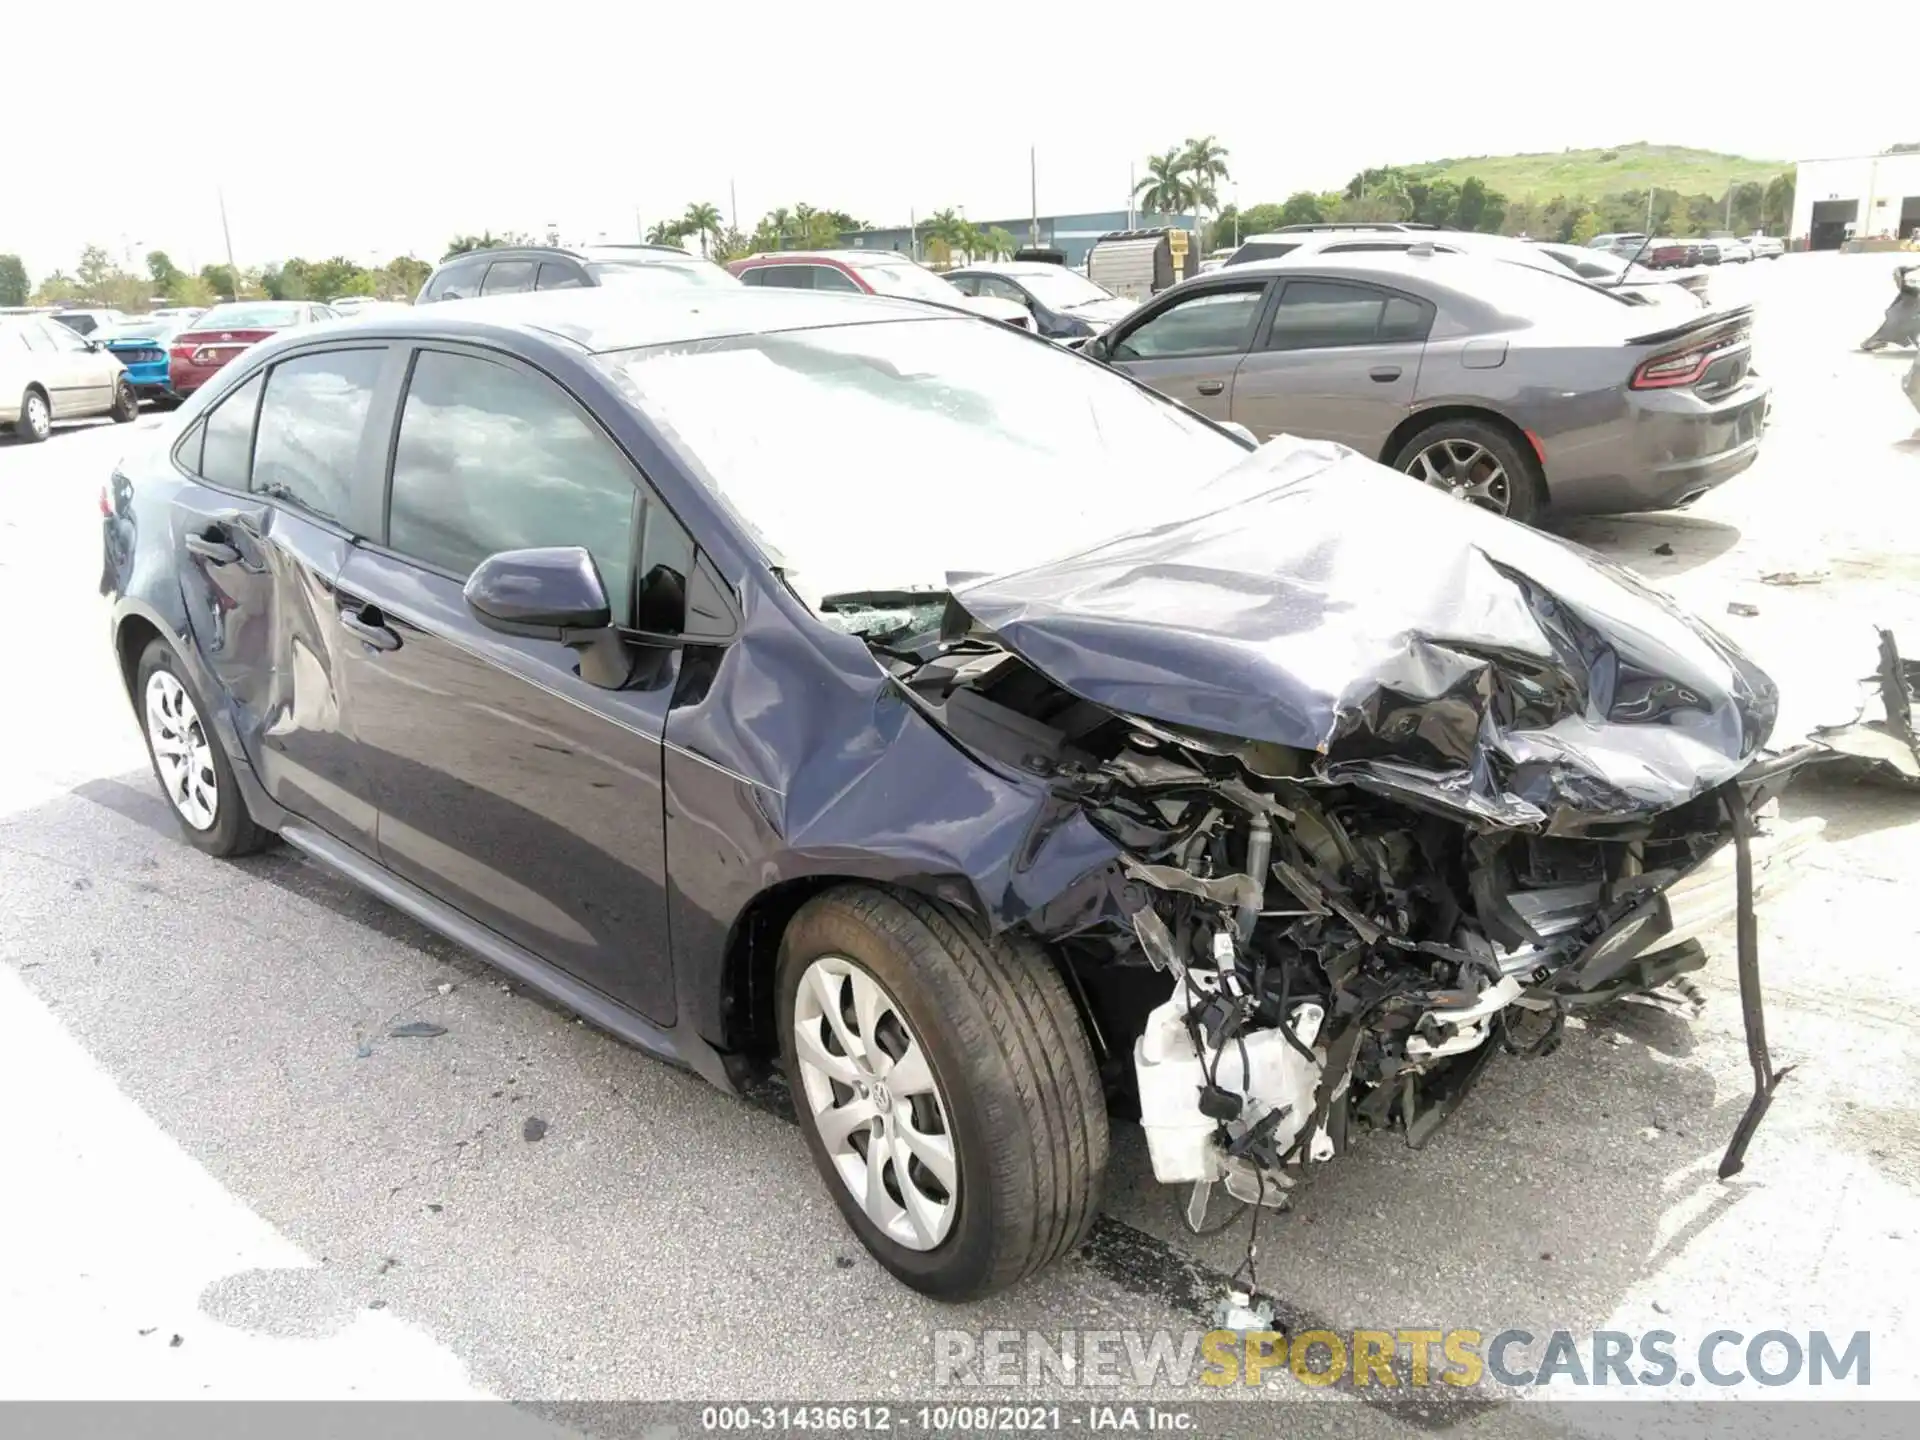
1422	647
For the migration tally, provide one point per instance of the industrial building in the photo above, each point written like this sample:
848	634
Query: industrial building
1072	235
1856	196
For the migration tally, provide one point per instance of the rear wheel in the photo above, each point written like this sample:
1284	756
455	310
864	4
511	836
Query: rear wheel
189	761
126	404
1478	463
36	418
945	1086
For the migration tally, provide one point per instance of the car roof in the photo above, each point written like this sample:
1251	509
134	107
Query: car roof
842	257
1008	267
1483	277
603	254
598	319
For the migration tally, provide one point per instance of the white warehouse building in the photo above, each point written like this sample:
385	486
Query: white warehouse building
1856	195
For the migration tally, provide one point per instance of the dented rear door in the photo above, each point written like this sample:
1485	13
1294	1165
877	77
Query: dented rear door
262	540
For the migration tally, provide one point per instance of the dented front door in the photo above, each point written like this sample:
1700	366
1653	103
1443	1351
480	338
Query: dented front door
258	580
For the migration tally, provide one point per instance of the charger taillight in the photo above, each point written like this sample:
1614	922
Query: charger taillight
1683	367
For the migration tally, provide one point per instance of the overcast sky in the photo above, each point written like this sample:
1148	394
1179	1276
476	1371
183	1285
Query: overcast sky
378	129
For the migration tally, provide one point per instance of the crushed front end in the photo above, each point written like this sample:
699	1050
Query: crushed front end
1370	833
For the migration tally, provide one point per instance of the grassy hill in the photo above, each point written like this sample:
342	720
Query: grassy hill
1590	174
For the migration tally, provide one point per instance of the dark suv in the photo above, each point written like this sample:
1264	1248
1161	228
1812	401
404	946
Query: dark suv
512	270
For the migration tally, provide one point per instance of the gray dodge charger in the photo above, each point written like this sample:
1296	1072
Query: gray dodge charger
1512	388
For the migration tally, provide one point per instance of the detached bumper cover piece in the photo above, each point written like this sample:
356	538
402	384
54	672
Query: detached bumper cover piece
1881	736
1421	649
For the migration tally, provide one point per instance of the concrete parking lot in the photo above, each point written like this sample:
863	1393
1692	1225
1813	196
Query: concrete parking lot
225	1178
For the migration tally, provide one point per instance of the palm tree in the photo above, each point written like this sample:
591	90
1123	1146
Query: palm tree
667	232
999	243
701	220
1164	188
944	233
1204	163
780	220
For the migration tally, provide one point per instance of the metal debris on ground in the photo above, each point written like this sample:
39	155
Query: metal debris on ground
1663	548
1796	577
1881	737
1740	607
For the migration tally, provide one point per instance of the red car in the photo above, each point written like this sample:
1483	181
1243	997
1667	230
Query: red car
195	356
870	272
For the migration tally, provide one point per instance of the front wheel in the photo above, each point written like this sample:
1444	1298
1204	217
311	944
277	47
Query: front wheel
945	1086
126	404
1474	461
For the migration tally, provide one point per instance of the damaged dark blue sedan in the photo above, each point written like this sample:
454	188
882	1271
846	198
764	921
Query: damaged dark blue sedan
843	684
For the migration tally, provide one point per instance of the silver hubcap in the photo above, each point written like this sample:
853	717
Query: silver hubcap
1465	471
37	415
871	1095
182	751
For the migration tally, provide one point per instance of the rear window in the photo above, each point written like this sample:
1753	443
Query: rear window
1262	250
656	274
249	317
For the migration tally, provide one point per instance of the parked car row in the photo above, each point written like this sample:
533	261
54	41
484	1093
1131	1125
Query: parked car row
49	373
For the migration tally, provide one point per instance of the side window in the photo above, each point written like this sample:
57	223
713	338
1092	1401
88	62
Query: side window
311	421
456	282
754	275
228	447
559	277
1405	320
1000	289
1206	324
76	324
508	277
60	337
1316	314
786	277
493	458
666	559
37	337
965	284
825	277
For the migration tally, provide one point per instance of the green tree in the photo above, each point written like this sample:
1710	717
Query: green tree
1479	208
95	267
1203	161
1303	207
1776	210
778	223
403	276
190	290
944	234
702	220
731	244
1585	228
485	240
13	281
221	280
1164	189
667	232
1372	207
55	288
162	270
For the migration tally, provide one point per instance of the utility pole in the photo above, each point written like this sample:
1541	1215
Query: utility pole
1649	207
1033	201
227	234
913	235
733	206
639	230
1130	193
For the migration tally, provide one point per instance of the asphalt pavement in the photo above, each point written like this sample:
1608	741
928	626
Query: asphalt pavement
225	1176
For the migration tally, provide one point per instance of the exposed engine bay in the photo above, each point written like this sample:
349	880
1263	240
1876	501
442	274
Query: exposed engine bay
1368	835
1332	958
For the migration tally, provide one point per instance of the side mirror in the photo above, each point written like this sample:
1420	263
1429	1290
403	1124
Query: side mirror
1097	348
544	594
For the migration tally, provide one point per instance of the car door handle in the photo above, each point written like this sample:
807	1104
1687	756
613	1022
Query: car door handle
1385	374
214	552
1211	387
367	623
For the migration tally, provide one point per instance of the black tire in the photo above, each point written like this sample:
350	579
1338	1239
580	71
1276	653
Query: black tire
233	831
34	402
1011	1059
126	404
1526	486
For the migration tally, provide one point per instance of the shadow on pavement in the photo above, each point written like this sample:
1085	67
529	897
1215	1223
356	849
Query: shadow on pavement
1637	540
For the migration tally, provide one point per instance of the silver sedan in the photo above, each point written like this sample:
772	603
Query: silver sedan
1514	388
